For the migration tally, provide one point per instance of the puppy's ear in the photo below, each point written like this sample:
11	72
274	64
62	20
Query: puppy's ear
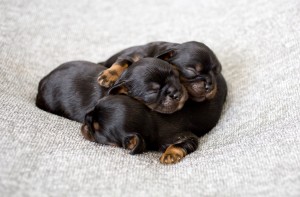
135	143
122	63
87	129
166	55
118	88
217	68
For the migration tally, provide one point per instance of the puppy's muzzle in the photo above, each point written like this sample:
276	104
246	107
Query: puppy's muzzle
201	87
174	93
173	100
207	79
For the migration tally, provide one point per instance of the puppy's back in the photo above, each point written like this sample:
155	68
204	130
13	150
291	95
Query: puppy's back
70	90
119	116
125	113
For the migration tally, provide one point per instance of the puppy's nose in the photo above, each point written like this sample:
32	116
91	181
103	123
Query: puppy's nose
208	87
175	96
208	84
173	93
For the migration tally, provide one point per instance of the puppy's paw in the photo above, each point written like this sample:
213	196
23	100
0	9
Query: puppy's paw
135	143
170	158
131	142
172	155
108	77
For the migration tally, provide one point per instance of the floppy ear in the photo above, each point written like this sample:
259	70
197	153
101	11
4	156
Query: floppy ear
118	88
166	55
135	143
217	68
124	61
87	129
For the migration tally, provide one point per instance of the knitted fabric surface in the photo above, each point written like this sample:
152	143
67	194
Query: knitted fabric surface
253	151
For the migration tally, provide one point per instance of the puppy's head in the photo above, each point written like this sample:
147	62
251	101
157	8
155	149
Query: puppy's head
155	83
110	123
198	67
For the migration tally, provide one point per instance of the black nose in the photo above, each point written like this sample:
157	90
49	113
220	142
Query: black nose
208	87
208	84
175	96
173	93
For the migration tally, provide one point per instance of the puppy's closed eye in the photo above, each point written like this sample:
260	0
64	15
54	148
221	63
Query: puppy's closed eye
191	72
154	86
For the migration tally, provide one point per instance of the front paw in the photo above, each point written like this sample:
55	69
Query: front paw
172	155
170	158
108	77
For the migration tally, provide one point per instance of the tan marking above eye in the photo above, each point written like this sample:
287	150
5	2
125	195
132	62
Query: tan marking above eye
96	126
136	58
154	86
198	67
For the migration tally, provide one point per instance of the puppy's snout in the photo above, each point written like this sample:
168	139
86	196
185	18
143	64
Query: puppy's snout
208	84
175	96
208	87
173	93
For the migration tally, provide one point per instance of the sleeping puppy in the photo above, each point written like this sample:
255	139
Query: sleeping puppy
72	89
121	121
197	64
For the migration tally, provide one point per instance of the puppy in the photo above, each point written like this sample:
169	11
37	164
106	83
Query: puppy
124	122
197	64
72	89
121	121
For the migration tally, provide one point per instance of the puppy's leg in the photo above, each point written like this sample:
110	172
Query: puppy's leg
173	154
109	76
183	144
135	143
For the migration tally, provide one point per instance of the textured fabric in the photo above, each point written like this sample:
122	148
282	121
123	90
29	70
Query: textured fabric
253	151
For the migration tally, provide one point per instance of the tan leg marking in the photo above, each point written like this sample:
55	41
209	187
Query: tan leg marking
109	76
172	155
132	143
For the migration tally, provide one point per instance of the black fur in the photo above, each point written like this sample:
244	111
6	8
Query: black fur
71	90
119	117
196	62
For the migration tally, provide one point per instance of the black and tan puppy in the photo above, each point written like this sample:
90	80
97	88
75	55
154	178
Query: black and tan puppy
121	121
124	122
72	89
197	64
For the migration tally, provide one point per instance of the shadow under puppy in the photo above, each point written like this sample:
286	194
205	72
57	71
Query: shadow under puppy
121	121
71	90
196	62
